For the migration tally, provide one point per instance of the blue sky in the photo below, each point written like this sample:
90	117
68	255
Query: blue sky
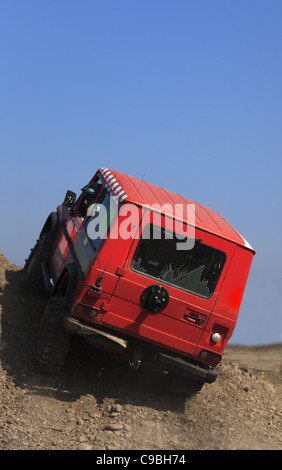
186	94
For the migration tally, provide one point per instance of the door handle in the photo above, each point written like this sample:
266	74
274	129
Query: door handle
193	318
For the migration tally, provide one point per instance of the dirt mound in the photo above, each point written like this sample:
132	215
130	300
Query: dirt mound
98	403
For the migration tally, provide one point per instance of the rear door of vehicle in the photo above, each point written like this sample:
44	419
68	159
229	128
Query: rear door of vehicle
181	323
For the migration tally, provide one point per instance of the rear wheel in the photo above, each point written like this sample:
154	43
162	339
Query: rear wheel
32	276
53	340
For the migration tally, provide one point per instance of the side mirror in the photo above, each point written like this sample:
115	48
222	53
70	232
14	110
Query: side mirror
70	199
91	191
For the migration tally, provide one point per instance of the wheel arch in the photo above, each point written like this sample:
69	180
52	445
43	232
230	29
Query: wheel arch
50	223
49	230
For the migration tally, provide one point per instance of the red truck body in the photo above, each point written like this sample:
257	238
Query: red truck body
141	296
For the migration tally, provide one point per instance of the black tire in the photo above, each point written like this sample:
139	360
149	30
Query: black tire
184	386
53	340
32	277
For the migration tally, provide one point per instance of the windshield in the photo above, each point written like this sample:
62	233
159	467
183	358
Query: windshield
196	270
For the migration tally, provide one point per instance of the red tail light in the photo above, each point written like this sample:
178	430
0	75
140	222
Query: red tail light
210	357
86	310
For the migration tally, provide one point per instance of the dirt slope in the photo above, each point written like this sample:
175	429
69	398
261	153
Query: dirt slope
97	403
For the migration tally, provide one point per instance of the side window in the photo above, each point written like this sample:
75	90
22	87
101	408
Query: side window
100	217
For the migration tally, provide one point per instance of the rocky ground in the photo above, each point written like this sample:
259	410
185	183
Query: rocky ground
98	403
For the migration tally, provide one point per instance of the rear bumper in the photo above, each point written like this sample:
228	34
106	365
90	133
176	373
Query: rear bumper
138	351
182	367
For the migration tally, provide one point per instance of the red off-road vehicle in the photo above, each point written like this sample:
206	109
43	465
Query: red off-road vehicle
126	268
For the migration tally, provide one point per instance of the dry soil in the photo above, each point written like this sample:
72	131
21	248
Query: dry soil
98	403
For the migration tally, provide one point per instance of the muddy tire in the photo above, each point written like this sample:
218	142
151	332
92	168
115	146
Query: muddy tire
53	340
32	276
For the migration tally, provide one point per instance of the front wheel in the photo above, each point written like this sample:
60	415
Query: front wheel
53	340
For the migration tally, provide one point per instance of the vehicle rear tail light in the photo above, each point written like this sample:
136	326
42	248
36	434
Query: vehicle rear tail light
210	357
86	310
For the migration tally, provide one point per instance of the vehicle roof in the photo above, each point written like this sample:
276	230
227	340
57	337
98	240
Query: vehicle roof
137	191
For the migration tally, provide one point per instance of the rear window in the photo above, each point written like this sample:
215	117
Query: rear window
196	270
